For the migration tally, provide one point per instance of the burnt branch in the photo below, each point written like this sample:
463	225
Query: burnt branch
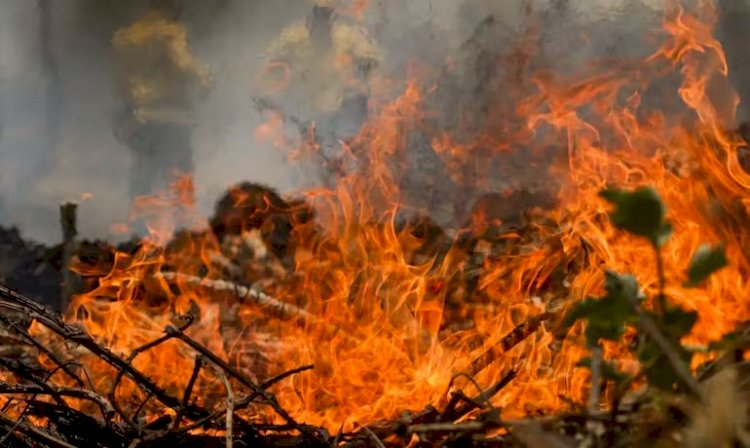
67	424
234	373
138	351
38	389
515	337
14	301
188	391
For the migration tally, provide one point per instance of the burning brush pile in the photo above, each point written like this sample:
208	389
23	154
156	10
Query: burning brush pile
606	311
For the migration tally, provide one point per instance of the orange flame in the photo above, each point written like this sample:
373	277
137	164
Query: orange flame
388	324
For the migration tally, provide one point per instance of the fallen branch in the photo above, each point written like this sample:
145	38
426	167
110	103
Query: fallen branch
451	427
137	351
68	425
259	297
106	407
43	438
44	350
188	391
231	371
516	336
378	443
14	301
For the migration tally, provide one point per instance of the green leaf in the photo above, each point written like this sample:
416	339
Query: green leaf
624	285
705	262
640	212
606	317
660	373
677	323
609	371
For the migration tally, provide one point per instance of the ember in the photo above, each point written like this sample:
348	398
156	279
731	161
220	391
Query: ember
428	294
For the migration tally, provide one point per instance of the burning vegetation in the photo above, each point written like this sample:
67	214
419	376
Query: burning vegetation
563	263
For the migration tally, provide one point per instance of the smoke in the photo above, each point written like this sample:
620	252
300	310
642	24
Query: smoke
732	32
56	143
46	160
56	86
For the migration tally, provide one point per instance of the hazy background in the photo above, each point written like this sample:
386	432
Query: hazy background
56	141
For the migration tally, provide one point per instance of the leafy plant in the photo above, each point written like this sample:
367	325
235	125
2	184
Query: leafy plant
640	212
607	316
705	262
664	360
609	371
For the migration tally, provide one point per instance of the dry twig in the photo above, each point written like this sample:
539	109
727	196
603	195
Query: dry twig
230	407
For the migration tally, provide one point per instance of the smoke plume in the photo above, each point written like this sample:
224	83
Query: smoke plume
56	78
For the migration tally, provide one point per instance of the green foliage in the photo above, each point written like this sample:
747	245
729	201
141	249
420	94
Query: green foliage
609	371
677	323
705	262
674	324
607	316
640	212
658	370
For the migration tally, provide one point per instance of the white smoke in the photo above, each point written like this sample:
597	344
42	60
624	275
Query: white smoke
86	160
230	36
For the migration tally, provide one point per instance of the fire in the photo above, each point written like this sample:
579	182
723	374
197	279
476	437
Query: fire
389	324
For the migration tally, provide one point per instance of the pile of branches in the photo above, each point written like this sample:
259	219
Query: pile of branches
47	419
37	411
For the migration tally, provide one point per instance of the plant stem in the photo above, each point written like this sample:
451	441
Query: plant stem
679	366
660	306
596	370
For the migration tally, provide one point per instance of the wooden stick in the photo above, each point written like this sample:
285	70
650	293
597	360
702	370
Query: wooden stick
516	336
40	436
14	301
37	389
188	391
260	298
70	283
230	406
286	310
375	439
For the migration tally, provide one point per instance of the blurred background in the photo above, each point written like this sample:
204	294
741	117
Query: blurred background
58	93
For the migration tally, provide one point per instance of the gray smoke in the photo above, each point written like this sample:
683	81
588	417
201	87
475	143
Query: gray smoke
47	157
732	31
